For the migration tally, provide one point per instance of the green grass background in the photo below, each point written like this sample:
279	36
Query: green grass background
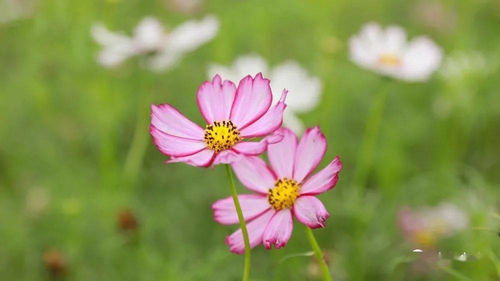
67	124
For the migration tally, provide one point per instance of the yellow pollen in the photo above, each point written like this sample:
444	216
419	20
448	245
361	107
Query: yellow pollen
389	60
221	135
283	194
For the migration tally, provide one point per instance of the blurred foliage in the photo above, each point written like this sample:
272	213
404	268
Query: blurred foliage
66	126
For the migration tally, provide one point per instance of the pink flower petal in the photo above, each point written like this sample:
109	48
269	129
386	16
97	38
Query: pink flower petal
226	157
324	180
215	99
279	230
310	151
255	230
310	211
254	174
170	121
253	99
203	158
175	146
252	205
251	148
269	122
282	154
256	148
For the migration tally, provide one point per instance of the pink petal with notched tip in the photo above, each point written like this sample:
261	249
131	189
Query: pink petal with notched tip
170	121
255	230
175	146
282	154
269	122
203	158
253	99
252	205
310	211
215	99
310	151
279	230
254	174
324	180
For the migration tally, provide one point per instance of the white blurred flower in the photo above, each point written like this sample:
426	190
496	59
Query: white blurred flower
463	63
426	226
150	38
446	219
387	52
304	89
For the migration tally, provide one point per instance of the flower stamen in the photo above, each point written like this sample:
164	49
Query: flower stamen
221	135
389	60
284	194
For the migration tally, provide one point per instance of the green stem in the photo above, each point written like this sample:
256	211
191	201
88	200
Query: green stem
365	158
243	226
319	255
133	160
138	147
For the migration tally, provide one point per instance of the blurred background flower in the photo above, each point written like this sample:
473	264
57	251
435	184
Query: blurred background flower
304	90
163	49
425	227
386	51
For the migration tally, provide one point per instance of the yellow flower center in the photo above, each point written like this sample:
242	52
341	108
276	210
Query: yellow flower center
284	194
389	60
221	135
425	238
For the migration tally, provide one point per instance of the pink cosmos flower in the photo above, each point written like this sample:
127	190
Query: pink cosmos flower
283	191
233	116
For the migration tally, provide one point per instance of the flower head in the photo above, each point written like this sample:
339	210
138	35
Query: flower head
163	48
233	115
425	227
387	52
304	89
282	191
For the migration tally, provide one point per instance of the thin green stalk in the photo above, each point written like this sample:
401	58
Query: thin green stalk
234	194
319	255
137	150
370	136
133	160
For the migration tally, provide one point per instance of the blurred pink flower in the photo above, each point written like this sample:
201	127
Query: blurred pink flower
424	228
284	191
232	115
